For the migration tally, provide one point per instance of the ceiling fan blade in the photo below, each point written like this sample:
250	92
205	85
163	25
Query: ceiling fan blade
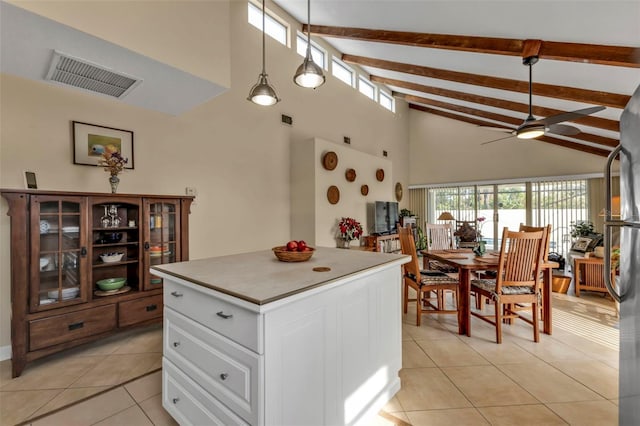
572	115
563	129
497	129
496	140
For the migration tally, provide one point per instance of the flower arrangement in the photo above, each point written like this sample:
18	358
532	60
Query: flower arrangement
113	162
480	221
350	229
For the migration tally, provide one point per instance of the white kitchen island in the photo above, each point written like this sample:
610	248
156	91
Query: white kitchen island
252	340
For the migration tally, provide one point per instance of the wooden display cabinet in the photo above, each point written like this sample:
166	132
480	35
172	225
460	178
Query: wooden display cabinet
383	243
57	240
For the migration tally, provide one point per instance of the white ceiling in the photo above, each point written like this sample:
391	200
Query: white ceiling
28	41
586	21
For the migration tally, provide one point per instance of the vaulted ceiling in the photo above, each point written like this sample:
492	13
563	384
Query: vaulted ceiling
464	59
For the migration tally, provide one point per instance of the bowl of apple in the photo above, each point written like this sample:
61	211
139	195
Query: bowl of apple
293	251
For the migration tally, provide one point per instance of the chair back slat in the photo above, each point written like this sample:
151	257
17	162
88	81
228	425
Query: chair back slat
547	238
408	247
439	236
520	259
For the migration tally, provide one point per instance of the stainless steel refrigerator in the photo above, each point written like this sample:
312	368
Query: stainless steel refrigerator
627	286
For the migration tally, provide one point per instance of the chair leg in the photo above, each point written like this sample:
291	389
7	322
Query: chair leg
498	311
536	322
419	297
406	298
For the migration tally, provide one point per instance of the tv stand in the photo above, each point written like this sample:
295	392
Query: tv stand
389	243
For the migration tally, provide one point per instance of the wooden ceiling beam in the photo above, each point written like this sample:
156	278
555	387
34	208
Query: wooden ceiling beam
554	141
587	137
600	123
621	56
613	100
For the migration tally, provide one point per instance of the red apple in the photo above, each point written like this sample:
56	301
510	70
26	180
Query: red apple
302	245
292	245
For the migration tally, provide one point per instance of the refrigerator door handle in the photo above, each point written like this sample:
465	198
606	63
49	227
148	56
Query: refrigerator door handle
608	223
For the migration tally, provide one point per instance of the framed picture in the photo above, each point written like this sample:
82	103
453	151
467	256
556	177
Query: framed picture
91	141
581	244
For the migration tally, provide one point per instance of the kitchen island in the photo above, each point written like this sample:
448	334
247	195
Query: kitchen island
252	340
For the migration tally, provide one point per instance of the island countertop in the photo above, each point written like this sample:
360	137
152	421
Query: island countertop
260	278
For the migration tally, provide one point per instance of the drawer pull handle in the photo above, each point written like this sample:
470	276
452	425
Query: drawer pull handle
176	344
76	325
152	308
176	294
224	376
175	400
223	315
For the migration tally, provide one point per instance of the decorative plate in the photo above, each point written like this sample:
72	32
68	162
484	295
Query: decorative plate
398	191
333	194
330	160
364	189
380	175
350	174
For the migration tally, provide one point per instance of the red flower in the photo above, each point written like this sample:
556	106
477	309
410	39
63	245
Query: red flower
350	229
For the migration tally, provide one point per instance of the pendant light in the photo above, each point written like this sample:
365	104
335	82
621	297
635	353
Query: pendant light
262	93
309	74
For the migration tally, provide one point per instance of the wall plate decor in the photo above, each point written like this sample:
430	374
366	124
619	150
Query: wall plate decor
364	189
330	160
380	175
350	175
91	141
398	191
333	194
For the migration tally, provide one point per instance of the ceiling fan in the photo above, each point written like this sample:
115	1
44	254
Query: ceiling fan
533	128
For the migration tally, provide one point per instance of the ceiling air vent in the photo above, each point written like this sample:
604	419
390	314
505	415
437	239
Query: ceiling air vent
85	75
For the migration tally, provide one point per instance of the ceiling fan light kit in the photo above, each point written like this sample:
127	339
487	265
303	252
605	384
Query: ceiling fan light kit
262	93
309	74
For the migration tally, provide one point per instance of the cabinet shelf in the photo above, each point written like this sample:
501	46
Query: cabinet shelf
126	243
122	262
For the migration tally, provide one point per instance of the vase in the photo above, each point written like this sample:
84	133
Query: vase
345	244
114	181
480	248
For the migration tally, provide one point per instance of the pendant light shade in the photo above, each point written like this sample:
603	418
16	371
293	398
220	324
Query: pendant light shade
262	93
309	74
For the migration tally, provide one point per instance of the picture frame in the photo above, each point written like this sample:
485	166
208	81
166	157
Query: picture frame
581	244
91	140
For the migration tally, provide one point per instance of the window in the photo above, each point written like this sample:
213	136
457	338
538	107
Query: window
387	101
367	88
558	203
342	72
273	27
317	53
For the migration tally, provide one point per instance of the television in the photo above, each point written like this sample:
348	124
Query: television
384	217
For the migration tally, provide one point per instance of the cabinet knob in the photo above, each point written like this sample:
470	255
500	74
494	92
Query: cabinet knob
224	376
176	344
175	400
223	315
176	294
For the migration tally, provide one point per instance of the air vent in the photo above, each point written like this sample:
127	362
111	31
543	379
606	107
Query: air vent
85	75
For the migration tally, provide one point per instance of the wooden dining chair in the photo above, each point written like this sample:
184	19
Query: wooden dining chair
424	282
439	237
517	280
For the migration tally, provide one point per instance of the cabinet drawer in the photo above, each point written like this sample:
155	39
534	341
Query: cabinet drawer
234	322
189	404
225	369
139	310
63	328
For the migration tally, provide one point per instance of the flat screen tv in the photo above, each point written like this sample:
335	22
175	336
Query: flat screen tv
385	217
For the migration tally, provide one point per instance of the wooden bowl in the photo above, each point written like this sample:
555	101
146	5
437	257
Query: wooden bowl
292	256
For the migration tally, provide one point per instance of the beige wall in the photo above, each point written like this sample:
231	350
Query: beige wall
235	153
445	151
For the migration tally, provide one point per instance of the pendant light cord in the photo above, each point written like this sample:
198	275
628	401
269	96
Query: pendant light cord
264	67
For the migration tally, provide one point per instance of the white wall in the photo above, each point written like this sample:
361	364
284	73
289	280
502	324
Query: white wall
235	153
315	219
444	151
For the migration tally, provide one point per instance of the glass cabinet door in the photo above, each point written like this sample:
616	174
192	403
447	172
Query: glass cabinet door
58	251
162	223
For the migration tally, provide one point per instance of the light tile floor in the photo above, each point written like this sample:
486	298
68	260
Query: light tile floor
570	377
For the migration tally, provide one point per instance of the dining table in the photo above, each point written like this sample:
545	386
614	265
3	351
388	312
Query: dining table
468	263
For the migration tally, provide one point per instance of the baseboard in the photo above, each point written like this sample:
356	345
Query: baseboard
5	352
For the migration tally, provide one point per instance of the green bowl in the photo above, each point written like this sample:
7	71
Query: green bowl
111	283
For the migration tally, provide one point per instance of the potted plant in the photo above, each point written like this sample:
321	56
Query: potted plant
410	217
348	229
581	228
